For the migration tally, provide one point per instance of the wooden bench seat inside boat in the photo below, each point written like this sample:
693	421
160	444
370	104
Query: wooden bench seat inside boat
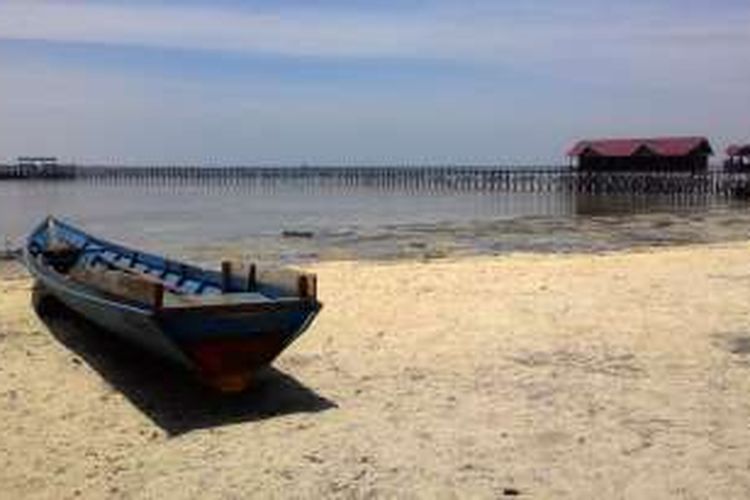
242	288
141	289
285	282
120	284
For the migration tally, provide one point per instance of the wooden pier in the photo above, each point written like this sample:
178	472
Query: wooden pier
30	171
453	178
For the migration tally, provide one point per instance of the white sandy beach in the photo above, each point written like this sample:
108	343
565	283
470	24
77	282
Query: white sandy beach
580	376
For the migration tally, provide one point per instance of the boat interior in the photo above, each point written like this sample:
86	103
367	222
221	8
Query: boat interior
125	274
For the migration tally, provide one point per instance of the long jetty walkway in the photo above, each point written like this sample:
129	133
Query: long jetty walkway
501	179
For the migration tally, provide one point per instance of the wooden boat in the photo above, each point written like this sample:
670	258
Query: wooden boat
223	325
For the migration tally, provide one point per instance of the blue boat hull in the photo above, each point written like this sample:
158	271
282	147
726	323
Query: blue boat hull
135	325
224	344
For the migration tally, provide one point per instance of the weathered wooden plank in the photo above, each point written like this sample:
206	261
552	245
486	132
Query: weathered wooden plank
121	284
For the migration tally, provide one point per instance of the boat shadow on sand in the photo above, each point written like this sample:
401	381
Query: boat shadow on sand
171	398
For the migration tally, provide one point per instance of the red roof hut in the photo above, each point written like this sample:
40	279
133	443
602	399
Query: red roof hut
660	153
739	155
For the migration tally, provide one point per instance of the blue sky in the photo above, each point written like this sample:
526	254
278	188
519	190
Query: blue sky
332	82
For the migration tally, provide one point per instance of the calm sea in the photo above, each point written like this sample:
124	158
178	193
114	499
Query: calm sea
205	221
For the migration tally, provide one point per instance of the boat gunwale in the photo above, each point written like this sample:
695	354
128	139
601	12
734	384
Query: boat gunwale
89	292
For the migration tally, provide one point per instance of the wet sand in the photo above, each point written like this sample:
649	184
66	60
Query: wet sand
622	375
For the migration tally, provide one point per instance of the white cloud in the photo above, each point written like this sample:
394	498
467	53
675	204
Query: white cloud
295	33
550	32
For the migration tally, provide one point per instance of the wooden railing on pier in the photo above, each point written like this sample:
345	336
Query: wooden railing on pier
500	179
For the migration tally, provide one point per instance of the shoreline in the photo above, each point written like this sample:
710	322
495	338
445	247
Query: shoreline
594	232
572	375
546	235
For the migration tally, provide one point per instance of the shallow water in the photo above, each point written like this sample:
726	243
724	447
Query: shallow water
205	221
